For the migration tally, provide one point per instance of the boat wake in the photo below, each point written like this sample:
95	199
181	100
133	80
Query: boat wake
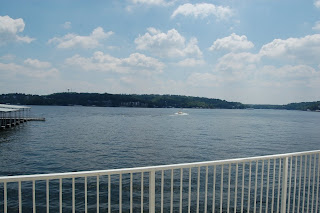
181	113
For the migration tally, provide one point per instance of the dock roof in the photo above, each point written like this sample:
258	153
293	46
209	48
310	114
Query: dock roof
13	106
8	110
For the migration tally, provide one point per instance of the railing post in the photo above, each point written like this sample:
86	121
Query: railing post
284	185
5	197
152	191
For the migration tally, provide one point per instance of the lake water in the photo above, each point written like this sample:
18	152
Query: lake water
94	138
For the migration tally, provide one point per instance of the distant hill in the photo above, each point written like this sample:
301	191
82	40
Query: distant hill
312	106
119	100
147	101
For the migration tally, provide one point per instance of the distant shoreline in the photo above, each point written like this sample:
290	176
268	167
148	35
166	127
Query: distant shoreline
143	101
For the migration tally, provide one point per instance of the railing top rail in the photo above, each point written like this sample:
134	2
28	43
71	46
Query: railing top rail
149	168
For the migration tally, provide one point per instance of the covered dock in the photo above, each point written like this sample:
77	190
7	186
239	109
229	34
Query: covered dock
12	115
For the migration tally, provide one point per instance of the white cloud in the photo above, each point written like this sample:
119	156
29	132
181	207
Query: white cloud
298	72
137	3
87	42
9	29
170	44
191	62
36	63
288	76
8	57
203	10
152	2
135	63
306	49
203	80
67	25
14	70
248	69
144	62
98	62
316	25
232	43
317	3
237	62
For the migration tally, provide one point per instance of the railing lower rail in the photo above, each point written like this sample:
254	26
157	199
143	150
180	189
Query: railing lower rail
276	183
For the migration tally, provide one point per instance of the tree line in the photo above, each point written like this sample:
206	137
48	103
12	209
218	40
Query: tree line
118	100
146	100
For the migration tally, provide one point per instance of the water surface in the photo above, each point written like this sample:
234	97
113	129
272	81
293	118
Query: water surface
94	138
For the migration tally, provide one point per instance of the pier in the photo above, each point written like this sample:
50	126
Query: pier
13	115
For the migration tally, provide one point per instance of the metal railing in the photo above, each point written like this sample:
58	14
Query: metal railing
276	183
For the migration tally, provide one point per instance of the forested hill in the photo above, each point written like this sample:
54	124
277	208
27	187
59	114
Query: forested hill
305	106
118	100
150	101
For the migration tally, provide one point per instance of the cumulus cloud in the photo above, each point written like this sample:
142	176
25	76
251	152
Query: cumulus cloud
191	62
288	76
298	72
170	44
316	26
237	62
305	49
232	43
317	3
137	3
16	70
67	25
237	67
135	63
37	64
142	61
88	42
252	70
8	57
203	80
203	10
153	2
9	30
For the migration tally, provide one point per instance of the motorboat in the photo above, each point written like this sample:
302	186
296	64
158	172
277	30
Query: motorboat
181	113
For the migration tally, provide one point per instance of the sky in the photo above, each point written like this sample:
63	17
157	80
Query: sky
251	51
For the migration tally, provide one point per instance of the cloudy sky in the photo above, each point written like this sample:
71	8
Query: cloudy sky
252	51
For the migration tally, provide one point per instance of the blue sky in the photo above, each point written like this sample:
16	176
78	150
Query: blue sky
252	51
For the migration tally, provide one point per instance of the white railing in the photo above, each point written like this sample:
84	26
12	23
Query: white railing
276	183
